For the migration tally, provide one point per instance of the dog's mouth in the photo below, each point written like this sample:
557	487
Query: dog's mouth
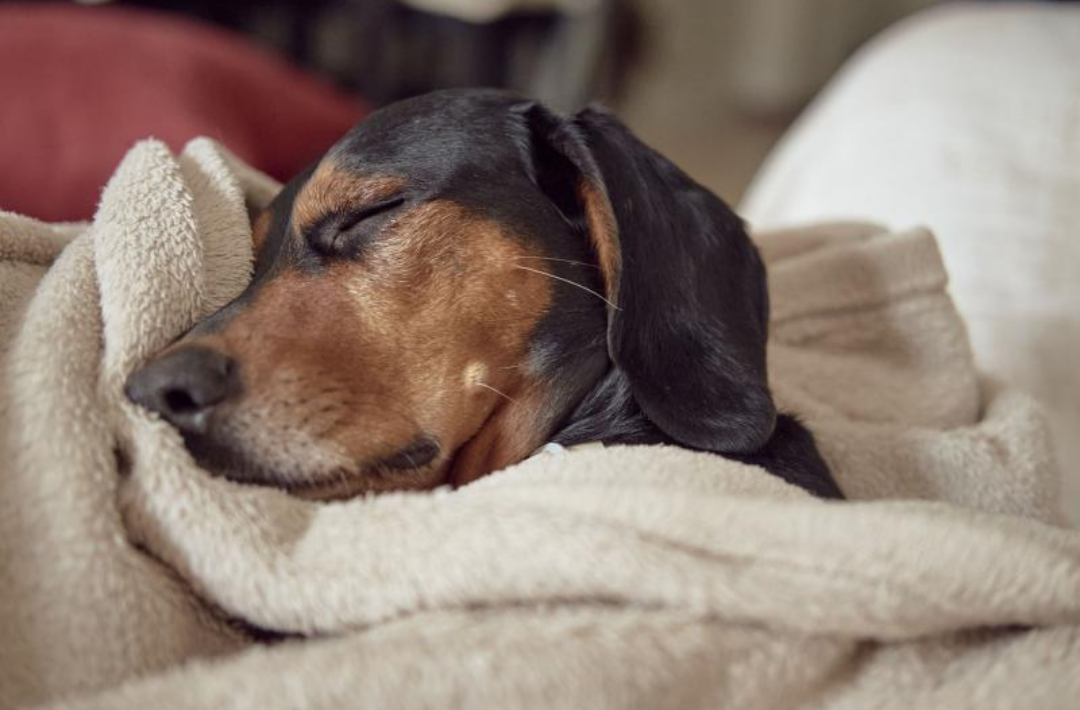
402	470
414	466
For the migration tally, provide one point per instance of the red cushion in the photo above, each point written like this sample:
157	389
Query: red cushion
81	84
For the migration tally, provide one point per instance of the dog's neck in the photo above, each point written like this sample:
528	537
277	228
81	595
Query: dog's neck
609	413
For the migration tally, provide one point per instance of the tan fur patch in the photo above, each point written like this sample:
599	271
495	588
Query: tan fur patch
331	189
604	234
259	229
510	435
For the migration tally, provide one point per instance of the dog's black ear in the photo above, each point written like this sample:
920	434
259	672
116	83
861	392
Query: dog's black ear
688	314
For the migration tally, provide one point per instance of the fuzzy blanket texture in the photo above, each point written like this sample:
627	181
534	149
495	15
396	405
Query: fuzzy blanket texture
622	577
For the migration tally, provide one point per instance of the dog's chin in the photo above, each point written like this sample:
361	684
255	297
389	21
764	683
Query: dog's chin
415	466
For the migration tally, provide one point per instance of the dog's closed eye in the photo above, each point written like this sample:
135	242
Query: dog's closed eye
346	235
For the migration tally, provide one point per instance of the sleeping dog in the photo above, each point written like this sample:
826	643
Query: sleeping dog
464	277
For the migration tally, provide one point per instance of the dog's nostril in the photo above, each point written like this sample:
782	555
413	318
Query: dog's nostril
180	402
185	385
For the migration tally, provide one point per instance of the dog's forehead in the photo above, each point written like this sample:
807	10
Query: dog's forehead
429	136
334	189
469	148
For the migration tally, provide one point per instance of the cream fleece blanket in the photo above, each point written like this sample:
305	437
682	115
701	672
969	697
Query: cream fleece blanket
624	577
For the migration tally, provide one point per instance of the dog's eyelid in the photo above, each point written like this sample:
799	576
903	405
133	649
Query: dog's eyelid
371	210
337	232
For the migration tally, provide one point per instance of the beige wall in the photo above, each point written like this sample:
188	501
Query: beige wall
786	49
768	54
720	80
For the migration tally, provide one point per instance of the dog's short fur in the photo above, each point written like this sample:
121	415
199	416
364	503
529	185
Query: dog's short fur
464	277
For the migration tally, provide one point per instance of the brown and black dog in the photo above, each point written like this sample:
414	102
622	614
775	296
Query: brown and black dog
464	277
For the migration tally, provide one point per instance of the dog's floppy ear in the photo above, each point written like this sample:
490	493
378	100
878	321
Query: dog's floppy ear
688	313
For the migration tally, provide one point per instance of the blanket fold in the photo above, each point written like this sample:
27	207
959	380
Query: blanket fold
625	576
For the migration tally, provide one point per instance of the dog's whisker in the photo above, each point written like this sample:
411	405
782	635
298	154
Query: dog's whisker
496	391
564	261
572	283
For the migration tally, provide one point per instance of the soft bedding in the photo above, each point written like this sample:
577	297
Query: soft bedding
618	577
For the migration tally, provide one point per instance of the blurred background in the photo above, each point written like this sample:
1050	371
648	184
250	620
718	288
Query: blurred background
710	83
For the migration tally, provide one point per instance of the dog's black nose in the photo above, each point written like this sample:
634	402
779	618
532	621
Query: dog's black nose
184	386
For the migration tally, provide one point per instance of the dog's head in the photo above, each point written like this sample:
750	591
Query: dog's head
434	297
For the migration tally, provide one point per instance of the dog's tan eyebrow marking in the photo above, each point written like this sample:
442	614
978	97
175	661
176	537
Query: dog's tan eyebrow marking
259	229
332	189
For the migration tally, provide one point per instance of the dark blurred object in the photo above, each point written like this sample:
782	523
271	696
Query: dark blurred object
561	57
82	84
564	52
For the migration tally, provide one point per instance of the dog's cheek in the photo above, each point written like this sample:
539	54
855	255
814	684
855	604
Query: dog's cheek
510	435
